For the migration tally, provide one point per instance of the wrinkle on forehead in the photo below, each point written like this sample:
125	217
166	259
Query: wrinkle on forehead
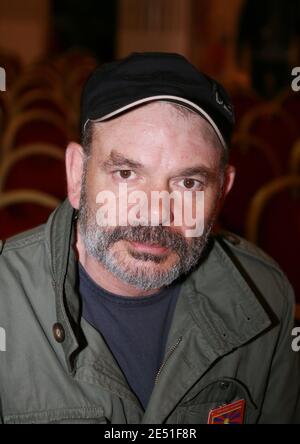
147	122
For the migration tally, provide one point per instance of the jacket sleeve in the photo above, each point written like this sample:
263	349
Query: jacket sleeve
282	398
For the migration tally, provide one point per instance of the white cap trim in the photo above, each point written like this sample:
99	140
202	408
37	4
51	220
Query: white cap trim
163	97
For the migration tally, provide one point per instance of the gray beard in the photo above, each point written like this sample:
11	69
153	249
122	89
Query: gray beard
99	240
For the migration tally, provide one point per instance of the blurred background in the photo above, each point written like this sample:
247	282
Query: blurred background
49	48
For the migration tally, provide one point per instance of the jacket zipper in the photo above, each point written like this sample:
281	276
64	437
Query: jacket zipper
169	354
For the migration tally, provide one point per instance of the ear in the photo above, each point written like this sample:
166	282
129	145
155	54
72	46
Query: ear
74	170
229	176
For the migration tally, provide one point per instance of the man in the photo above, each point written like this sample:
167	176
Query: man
116	310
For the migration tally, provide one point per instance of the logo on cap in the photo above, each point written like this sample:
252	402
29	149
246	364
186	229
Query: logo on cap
221	102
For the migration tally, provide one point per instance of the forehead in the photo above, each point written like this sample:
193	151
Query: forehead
160	129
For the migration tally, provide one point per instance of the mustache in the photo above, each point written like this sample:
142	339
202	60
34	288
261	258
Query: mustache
160	235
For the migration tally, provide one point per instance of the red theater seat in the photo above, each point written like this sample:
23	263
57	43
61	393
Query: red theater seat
273	125
255	164
37	78
42	100
273	222
36	126
39	167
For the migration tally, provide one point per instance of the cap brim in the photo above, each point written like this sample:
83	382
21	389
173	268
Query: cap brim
176	99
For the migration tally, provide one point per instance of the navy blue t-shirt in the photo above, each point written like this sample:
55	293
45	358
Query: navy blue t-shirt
134	328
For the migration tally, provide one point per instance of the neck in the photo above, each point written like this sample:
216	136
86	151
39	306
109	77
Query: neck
105	278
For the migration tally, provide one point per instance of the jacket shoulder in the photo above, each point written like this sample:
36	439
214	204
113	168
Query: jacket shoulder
261	272
23	239
243	248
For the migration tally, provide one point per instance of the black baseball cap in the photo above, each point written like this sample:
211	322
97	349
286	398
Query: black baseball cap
141	78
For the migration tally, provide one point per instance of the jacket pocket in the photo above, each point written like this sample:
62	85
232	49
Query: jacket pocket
81	415
215	394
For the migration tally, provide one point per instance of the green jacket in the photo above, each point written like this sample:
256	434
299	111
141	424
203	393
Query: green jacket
230	339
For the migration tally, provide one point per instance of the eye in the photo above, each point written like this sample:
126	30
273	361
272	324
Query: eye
124	174
191	184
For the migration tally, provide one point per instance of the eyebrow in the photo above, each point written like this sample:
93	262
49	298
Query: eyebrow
116	159
200	170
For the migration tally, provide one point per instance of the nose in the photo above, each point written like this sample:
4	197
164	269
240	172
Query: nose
160	206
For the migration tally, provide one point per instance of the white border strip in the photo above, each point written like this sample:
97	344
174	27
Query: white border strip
162	97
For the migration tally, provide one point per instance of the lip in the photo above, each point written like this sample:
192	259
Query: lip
149	248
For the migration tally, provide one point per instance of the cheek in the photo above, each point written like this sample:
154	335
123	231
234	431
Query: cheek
211	202
203	207
91	190
95	184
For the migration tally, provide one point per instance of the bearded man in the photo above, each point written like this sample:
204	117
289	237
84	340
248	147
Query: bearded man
113	312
